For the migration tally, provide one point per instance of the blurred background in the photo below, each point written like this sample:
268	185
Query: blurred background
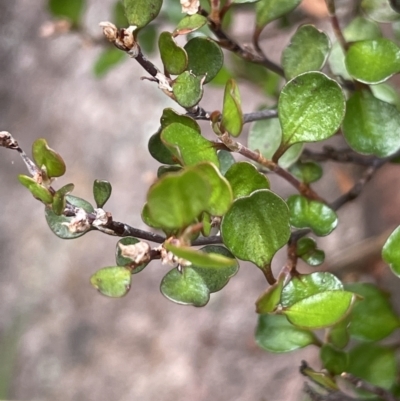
59	338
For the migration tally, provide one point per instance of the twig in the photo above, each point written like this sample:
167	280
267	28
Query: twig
370	388
201	114
335	25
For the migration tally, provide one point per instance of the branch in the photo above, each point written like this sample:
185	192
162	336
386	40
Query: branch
200	114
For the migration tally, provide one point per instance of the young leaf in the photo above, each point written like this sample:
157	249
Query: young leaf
373	61
113	281
107	59
308	51
205	57
140	12
124	261
372	318
188	145
256	227
188	89
311	108
391	251
194	285
275	334
170	116
371	126
190	23
265	136
269	10
245	179
71	9
46	157
269	300
320	310
313	214
232	115
101	192
59	200
37	190
173	56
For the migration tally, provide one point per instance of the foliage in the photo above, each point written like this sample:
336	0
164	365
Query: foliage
204	196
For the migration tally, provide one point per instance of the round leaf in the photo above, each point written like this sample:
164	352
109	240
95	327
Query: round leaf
265	136
275	334
391	251
123	261
379	10
314	258
320	310
226	160
313	214
371	126
256	226
170	116
307	172
167	169
48	158
188	146
188	89
304	286
311	108
173	56
373	61
338	335
140	12
113	281
58	224
205	57
372	318
232	115
101	192
245	179
159	151
307	51
189	24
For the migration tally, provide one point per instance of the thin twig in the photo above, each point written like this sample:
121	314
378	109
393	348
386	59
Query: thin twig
335	25
201	114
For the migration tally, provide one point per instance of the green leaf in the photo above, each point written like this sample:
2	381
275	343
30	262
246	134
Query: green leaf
304	286
265	136
59	224
159	151
308	51
124	261
167	169
371	126
101	192
314	258
170	116
386	93
173	56
320	310
38	191
379	10
373	61
311	108
391	251
190	23
334	360
107	59
188	145
256	227
59	199
205	57
232	115
47	158
194	285
245	179
113	281
226	160
373	363
188	89
70	9
140	12
359	29
372	318
275	334
338	335
200	259
269	10
313	214
269	300
307	172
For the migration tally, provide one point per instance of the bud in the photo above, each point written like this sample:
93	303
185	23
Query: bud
7	141
190	6
139	253
110	31
79	223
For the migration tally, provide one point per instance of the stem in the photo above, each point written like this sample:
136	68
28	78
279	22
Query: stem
201	114
266	269
335	25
